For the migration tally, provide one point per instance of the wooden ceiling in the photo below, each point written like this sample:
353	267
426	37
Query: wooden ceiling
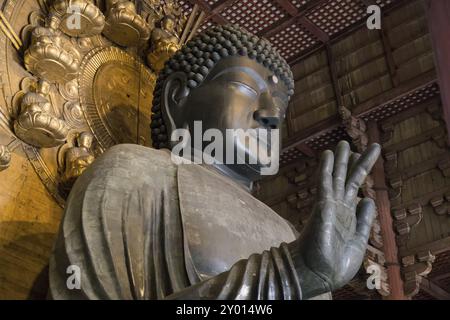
294	27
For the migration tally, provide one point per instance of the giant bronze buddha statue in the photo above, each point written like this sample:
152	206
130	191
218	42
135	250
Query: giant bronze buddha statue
139	225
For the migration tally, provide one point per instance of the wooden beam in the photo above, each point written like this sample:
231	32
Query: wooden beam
210	14
277	27
222	5
313	29
413	111
386	223
438	15
395	94
202	4
434	290
441	276
288	21
414	141
368	2
305	54
423	200
389	57
317	129
306	150
288	7
334	121
422	167
435	247
334	77
341	34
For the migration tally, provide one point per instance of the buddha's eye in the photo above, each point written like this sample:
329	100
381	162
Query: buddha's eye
242	87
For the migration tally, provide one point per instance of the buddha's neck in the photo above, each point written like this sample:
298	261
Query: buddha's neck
226	171
244	182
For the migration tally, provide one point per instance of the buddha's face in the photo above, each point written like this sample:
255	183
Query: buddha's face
52	22
238	93
168	24
44	87
85	140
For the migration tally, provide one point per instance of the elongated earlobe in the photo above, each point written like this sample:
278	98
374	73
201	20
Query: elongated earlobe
175	91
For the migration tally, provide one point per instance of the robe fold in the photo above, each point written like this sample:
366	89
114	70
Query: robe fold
137	229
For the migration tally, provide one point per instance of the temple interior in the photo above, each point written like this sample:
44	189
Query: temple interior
388	85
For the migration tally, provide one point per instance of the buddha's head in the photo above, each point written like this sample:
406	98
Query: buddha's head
43	87
226	78
52	21
168	23
85	140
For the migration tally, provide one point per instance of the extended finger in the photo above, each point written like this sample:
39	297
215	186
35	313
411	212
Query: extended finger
325	175
360	171
340	168
365	214
352	161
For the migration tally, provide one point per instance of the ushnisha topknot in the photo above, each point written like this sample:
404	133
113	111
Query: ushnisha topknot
202	53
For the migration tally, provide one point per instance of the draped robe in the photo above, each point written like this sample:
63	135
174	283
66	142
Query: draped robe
140	227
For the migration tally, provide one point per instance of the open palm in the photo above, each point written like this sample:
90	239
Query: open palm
332	246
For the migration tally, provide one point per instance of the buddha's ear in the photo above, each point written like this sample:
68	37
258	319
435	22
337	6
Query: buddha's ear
174	93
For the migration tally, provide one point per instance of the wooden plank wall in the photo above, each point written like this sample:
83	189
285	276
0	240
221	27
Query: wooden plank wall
372	65
364	75
418	175
367	63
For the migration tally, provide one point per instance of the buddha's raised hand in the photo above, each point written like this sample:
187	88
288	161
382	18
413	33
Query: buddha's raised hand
330	251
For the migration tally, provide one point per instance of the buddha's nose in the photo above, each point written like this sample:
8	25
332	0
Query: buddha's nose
268	115
268	118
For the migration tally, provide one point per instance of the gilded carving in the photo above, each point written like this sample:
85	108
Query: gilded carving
171	32
36	125
164	43
5	157
116	116
77	159
123	25
73	114
69	90
75	69
78	18
50	181
49	56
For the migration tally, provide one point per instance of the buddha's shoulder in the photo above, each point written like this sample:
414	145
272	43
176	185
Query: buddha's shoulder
127	163
131	155
126	178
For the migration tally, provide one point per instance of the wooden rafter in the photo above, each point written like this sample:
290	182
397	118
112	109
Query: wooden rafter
434	290
333	75
366	108
438	15
221	5
294	16
210	13
297	16
436	247
339	35
307	151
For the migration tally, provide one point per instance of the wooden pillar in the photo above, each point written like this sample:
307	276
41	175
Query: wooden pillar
386	223
438	16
